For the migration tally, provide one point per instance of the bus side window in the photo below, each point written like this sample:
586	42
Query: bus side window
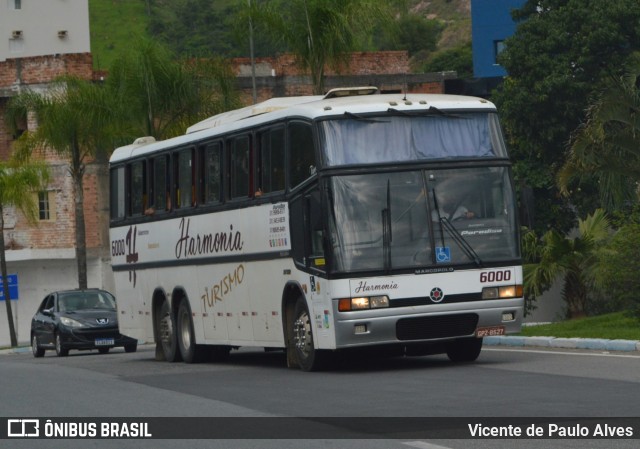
211	173
159	186
117	197
270	168
239	167
137	188
185	187
301	153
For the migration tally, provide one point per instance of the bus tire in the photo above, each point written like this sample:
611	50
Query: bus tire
167	334
464	349
189	350
309	358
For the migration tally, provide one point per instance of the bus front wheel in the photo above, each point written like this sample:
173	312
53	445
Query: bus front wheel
309	358
464	350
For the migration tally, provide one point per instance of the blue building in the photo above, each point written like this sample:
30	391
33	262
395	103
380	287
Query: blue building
491	24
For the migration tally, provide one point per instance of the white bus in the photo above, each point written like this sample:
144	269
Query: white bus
318	224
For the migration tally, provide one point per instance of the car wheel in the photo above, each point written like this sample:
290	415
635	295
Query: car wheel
103	350
309	358
61	350
464	350
35	347
166	327
190	351
133	347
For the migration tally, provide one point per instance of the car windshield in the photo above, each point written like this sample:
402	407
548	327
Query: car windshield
70	302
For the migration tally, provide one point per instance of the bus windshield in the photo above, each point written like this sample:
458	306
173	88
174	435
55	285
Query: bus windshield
423	218
400	138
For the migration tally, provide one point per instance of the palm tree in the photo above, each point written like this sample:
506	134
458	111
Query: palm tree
162	96
19	178
572	258
75	119
607	146
320	33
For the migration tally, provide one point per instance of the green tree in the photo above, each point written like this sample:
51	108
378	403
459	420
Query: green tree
574	259
320	33
607	146
557	58
619	268
459	59
19	179
162	96
75	119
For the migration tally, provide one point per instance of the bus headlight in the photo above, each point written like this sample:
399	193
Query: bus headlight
504	292
363	303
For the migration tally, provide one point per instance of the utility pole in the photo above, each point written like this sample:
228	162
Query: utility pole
253	60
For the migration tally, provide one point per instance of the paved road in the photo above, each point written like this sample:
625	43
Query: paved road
505	382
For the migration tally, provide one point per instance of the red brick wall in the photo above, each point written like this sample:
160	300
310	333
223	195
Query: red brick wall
42	69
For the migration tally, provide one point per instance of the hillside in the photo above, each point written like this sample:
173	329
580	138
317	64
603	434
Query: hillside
114	23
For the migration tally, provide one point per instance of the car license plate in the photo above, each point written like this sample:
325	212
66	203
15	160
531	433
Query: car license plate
104	342
489	331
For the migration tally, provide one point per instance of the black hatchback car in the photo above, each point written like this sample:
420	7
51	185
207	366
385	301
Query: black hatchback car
77	319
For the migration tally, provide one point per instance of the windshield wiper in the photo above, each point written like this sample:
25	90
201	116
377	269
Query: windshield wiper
387	235
453	232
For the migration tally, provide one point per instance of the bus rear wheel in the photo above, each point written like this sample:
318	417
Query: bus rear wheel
309	358
190	351
167	335
464	350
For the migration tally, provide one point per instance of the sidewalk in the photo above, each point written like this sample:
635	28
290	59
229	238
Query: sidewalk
568	343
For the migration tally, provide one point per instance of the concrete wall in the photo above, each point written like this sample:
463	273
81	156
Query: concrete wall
40	23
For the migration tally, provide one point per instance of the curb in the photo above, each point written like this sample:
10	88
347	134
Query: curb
567	343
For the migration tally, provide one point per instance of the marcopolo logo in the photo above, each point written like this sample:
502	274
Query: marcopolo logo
23	428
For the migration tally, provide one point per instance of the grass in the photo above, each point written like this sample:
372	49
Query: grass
612	326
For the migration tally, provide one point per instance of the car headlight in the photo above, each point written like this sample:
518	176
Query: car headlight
363	303
69	322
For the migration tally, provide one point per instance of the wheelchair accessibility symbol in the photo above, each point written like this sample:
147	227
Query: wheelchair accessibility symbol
443	254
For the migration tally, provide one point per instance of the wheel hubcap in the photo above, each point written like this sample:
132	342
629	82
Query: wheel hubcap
302	334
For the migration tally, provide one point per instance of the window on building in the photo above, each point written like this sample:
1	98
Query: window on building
498	47
14	4
46	206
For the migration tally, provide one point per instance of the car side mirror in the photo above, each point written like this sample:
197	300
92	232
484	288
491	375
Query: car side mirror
48	312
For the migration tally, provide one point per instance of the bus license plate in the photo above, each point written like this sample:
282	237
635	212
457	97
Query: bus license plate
104	342
489	331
